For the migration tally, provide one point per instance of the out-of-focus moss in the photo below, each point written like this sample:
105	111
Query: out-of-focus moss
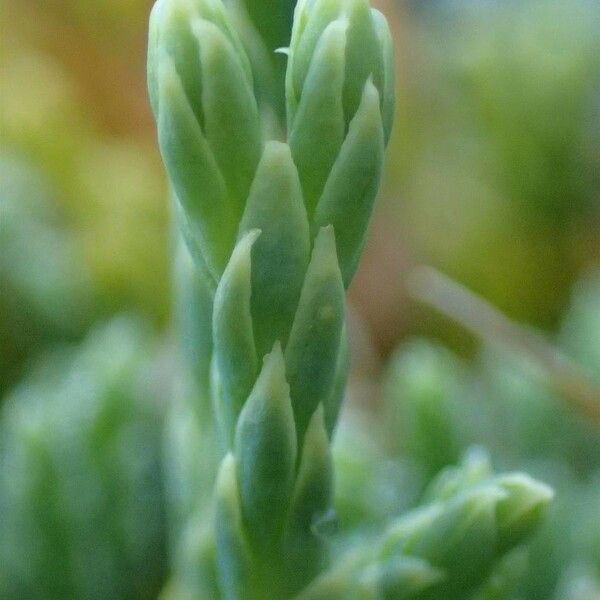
110	188
80	485
503	403
424	389
493	162
580	331
46	290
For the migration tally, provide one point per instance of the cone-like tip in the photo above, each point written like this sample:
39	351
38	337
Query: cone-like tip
522	508
406	575
226	485
272	375
324	252
275	155
367	53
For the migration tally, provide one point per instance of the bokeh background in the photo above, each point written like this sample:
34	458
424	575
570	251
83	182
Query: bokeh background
492	177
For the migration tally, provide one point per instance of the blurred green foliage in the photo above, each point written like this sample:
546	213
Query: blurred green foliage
493	173
452	546
80	481
440	406
105	177
47	291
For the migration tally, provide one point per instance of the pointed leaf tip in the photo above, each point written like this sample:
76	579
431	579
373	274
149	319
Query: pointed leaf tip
388	91
523	507
272	376
280	256
351	188
312	351
318	126
235	356
192	168
265	445
230	111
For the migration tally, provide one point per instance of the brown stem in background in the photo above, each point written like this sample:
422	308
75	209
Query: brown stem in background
479	317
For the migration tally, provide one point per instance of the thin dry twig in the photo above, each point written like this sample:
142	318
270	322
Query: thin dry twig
479	317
